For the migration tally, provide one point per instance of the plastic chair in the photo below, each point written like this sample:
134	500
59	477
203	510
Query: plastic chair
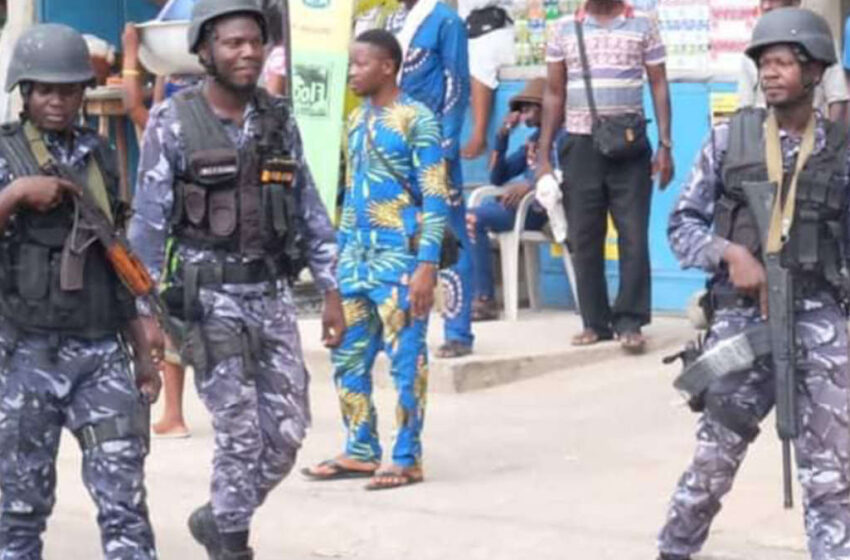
509	246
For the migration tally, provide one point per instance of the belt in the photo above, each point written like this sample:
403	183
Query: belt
805	285
723	299
231	273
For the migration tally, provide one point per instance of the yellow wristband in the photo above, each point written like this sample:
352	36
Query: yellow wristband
130	72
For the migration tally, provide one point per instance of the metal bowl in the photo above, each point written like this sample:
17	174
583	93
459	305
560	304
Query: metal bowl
163	48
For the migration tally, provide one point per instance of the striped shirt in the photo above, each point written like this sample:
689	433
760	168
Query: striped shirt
617	54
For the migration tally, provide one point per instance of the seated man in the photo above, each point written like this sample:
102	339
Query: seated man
499	214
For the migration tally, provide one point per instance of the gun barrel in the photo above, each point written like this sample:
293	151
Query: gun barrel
760	200
787	489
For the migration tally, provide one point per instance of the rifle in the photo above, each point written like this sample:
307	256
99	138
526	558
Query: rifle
91	217
761	197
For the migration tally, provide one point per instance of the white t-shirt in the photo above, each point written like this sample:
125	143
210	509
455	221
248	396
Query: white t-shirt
464	7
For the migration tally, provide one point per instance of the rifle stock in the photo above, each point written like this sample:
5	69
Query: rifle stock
780	305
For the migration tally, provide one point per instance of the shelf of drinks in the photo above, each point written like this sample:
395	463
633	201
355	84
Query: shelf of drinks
678	75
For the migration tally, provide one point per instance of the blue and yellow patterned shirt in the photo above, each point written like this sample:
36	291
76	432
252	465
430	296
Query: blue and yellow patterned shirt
379	212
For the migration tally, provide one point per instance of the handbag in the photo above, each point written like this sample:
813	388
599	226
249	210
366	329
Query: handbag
450	248
618	137
484	20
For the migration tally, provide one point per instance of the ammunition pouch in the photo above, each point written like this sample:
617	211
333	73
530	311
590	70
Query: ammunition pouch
54	278
815	244
729	355
701	368
206	346
243	200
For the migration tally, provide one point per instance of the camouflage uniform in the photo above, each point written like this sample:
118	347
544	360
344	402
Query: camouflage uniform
49	382
822	450
260	416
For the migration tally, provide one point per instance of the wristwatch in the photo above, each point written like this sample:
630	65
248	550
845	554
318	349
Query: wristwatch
666	144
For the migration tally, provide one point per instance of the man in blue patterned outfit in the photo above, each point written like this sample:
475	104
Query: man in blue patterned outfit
712	228
222	171
435	72
63	310
390	236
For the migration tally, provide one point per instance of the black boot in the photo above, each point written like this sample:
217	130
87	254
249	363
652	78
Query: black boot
203	528
235	546
246	554
663	556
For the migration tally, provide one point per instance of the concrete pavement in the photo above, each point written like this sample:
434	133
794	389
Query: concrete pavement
572	464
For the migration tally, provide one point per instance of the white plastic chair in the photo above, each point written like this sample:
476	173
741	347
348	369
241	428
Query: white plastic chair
509	246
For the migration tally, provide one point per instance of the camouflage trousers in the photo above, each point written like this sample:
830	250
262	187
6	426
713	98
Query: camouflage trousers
259	403
822	450
42	389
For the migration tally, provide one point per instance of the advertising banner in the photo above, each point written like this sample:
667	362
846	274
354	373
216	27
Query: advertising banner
321	31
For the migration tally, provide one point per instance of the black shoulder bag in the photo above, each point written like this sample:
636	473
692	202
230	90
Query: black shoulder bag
484	20
618	137
450	249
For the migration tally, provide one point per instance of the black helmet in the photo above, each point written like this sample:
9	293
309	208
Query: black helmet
50	53
205	11
795	26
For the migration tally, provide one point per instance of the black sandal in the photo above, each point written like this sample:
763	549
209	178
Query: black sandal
453	349
337	472
484	310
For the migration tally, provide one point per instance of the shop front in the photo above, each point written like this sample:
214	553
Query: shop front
704	41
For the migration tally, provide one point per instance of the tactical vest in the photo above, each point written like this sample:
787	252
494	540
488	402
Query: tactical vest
31	256
815	247
238	200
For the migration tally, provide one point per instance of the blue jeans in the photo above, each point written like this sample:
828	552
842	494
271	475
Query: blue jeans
492	216
457	281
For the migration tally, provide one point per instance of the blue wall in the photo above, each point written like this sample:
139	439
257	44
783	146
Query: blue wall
104	18
671	286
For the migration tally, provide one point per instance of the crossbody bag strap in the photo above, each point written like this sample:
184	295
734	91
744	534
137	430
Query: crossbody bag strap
585	68
370	141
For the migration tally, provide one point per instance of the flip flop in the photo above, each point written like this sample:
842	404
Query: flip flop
484	310
171	435
633	342
588	337
338	472
402	478
453	349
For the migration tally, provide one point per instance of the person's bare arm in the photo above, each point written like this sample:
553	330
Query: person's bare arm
134	96
554	98
660	89
836	93
838	111
276	84
38	192
159	90
147	341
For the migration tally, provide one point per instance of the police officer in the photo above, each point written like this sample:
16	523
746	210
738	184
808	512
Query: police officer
222	171
712	228
64	314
